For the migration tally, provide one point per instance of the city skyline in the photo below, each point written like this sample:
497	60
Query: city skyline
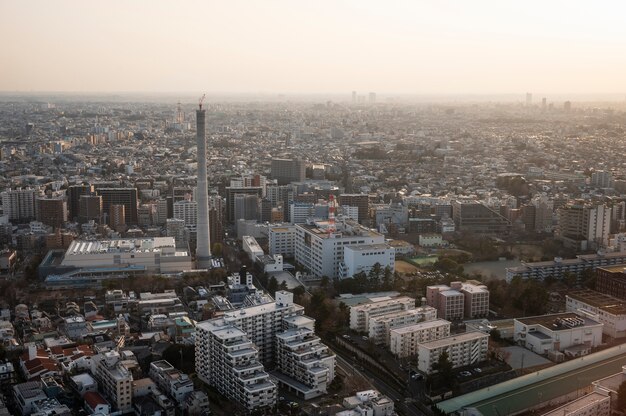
328	47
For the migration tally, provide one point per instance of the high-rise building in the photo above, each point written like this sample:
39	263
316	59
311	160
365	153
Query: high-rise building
74	192
230	199
372	97
90	208
584	226
246	207
361	201
216	218
286	171
117	218
478	218
203	245
188	212
120	196
114	379
19	205
602	179
51	211
353	97
529	99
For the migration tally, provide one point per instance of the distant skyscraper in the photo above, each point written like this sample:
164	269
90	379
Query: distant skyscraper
203	247
51	211
120	196
74	193
544	104
353	97
567	105
372	97
529	99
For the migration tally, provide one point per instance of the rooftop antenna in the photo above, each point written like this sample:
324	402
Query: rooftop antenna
201	100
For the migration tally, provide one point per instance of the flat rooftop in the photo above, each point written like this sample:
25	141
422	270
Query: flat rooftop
607	303
618	268
444	342
573	406
548	320
420	326
123	245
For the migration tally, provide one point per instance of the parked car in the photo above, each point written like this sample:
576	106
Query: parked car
465	374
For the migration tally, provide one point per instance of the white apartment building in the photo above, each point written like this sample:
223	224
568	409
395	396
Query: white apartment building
170	380
19	204
404	341
282	240
463	349
592	404
305	365
263	322
360	314
362	258
157	255
114	379
227	360
380	326
321	250
187	211
568	332
606	309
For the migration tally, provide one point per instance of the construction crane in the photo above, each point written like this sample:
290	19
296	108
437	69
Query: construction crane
201	100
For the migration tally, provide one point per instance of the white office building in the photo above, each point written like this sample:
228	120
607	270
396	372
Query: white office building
404	341
321	250
281	240
463	349
569	333
251	247
362	258
187	211
606	309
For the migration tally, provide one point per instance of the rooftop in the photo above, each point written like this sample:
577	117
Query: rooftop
548	321
444	342
586	400
607	303
421	325
125	245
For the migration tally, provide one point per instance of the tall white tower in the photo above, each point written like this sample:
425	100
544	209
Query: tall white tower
203	248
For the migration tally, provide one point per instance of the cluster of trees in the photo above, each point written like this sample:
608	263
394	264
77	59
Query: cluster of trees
528	295
377	279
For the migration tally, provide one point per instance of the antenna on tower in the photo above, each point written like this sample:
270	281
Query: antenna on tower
201	100
331	214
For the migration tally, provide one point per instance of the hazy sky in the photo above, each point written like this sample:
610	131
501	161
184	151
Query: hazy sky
316	46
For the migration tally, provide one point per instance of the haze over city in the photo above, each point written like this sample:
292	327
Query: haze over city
323	47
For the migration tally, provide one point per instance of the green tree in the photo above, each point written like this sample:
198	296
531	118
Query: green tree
217	250
272	286
444	367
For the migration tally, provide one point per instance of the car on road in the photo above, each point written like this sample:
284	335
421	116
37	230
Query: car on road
417	376
365	338
465	374
477	370
346	336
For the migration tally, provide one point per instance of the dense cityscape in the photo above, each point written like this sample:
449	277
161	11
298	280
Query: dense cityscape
365	255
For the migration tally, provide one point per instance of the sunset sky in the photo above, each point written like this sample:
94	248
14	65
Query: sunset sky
291	46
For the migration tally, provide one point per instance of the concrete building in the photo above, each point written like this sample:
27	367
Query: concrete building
117	217
251	247
475	217
156	255
51	211
321	250
584	226
449	302
114	378
567	333
286	171
612	280
405	341
361	201
19	205
380	326
89	208
606	309
231	192
463	349
227	360
304	365
558	267
360	315
281	240
362	258
171	381
127	197
187	211
476	302
74	192
367	403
